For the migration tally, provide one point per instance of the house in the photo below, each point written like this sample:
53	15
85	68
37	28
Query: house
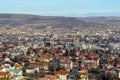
29	70
93	60
46	66
32	61
13	72
83	74
67	64
17	66
2	69
4	75
51	77
62	74
109	65
7	68
32	68
7	60
17	78
46	58
1	56
77	52
75	64
118	72
118	64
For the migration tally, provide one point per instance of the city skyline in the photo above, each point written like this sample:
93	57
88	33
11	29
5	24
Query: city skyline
74	8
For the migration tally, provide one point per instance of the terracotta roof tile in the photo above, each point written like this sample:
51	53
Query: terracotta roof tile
3	73
62	72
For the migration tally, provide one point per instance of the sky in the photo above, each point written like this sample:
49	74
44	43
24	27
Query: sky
74	8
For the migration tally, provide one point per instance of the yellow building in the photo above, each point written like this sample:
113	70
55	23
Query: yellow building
17	66
4	75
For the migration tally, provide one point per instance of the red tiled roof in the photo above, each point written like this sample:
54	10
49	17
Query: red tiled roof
83	71
9	79
110	63
90	58
62	72
66	62
118	62
3	73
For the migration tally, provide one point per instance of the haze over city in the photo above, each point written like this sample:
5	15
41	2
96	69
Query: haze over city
59	40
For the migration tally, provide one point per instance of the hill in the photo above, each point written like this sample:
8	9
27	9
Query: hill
104	20
43	21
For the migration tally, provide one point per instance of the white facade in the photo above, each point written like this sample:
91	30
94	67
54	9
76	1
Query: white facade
62	77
